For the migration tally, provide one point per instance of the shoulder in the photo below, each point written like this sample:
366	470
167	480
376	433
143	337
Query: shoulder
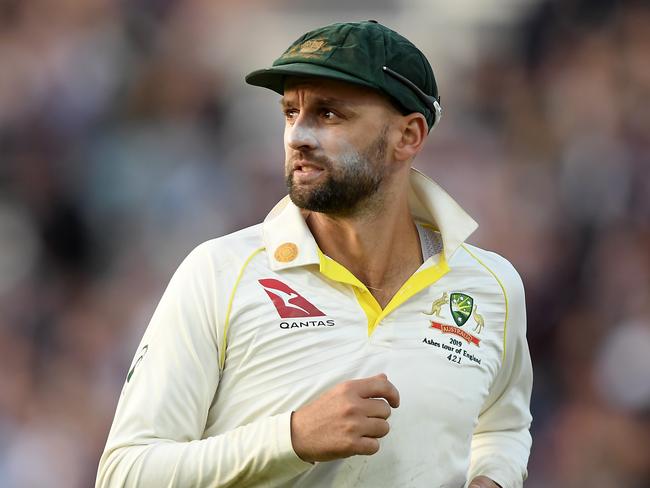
230	249
223	256
503	272
511	285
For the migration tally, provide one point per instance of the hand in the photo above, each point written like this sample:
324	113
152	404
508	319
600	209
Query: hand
483	482
345	421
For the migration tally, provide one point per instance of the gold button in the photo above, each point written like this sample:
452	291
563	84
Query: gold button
286	252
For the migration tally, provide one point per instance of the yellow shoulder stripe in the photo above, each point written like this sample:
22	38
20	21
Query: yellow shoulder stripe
224	343
503	289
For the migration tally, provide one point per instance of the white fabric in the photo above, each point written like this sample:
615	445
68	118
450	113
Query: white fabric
181	421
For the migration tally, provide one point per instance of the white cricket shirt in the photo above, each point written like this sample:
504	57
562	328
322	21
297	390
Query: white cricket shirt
256	324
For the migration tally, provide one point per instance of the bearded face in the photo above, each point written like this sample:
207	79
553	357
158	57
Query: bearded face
346	182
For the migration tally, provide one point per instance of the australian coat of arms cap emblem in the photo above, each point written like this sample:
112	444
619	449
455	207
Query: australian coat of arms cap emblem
461	307
312	45
311	48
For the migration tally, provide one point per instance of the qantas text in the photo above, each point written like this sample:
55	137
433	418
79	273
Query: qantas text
307	323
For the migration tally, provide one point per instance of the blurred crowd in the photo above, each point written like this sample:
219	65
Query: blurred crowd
124	143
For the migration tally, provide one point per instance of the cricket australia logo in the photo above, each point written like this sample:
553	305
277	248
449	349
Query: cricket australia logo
461	308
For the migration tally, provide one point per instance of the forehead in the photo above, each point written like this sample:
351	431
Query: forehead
295	87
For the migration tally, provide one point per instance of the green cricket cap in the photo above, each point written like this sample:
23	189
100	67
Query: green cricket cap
363	53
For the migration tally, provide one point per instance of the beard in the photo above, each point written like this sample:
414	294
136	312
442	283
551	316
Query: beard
349	182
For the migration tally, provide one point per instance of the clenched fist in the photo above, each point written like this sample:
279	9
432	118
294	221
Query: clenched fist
345	421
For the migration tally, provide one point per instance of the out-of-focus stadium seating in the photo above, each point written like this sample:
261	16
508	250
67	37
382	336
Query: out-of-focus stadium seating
127	137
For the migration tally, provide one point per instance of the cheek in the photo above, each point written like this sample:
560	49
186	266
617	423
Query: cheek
347	153
338	147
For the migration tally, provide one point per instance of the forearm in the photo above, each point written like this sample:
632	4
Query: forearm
257	454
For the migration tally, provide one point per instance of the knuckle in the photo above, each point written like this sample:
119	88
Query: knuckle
386	410
349	409
350	428
349	445
345	387
347	429
385	388
371	447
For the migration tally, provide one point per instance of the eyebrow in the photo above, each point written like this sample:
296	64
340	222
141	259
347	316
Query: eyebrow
320	101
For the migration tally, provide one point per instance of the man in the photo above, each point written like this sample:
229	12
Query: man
352	339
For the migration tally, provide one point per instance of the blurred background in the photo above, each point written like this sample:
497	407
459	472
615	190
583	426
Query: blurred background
127	137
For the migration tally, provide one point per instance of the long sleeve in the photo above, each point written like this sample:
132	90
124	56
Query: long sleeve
501	442
156	436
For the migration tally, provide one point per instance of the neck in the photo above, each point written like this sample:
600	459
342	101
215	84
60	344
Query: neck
379	245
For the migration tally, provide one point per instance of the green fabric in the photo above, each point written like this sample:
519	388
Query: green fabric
356	52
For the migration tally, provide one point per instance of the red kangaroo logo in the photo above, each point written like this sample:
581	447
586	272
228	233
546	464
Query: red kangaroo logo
288	302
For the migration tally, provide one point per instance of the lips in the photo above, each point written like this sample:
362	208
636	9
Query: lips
306	166
305	171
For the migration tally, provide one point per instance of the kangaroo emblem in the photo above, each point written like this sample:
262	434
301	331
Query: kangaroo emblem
437	305
479	321
286	297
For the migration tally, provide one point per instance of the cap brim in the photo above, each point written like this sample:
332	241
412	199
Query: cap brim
274	78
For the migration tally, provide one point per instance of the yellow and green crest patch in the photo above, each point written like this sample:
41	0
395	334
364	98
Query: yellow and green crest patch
461	307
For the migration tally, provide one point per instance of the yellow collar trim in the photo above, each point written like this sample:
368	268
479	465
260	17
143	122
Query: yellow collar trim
374	313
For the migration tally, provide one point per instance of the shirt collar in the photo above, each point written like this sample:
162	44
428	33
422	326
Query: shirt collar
290	243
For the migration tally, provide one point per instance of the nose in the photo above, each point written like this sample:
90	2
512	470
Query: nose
300	135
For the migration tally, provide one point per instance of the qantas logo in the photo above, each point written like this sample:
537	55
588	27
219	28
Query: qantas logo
288	302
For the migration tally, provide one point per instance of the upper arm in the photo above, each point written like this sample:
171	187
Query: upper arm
169	391
509	397
501	442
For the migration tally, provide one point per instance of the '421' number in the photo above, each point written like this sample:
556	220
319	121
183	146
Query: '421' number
454	358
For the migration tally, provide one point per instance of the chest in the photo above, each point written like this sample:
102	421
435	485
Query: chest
293	335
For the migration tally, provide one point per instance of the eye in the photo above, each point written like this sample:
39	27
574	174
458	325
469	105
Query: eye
290	113
328	114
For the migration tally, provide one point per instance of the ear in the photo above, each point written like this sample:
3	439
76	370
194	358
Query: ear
413	130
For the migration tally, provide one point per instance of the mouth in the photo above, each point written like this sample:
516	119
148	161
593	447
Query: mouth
305	171
305	165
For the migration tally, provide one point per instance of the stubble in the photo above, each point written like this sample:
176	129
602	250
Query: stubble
351	183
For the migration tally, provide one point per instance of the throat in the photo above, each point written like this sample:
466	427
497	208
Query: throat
382	261
391	282
393	278
384	295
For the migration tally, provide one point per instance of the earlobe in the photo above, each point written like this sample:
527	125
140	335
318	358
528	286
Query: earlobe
413	134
